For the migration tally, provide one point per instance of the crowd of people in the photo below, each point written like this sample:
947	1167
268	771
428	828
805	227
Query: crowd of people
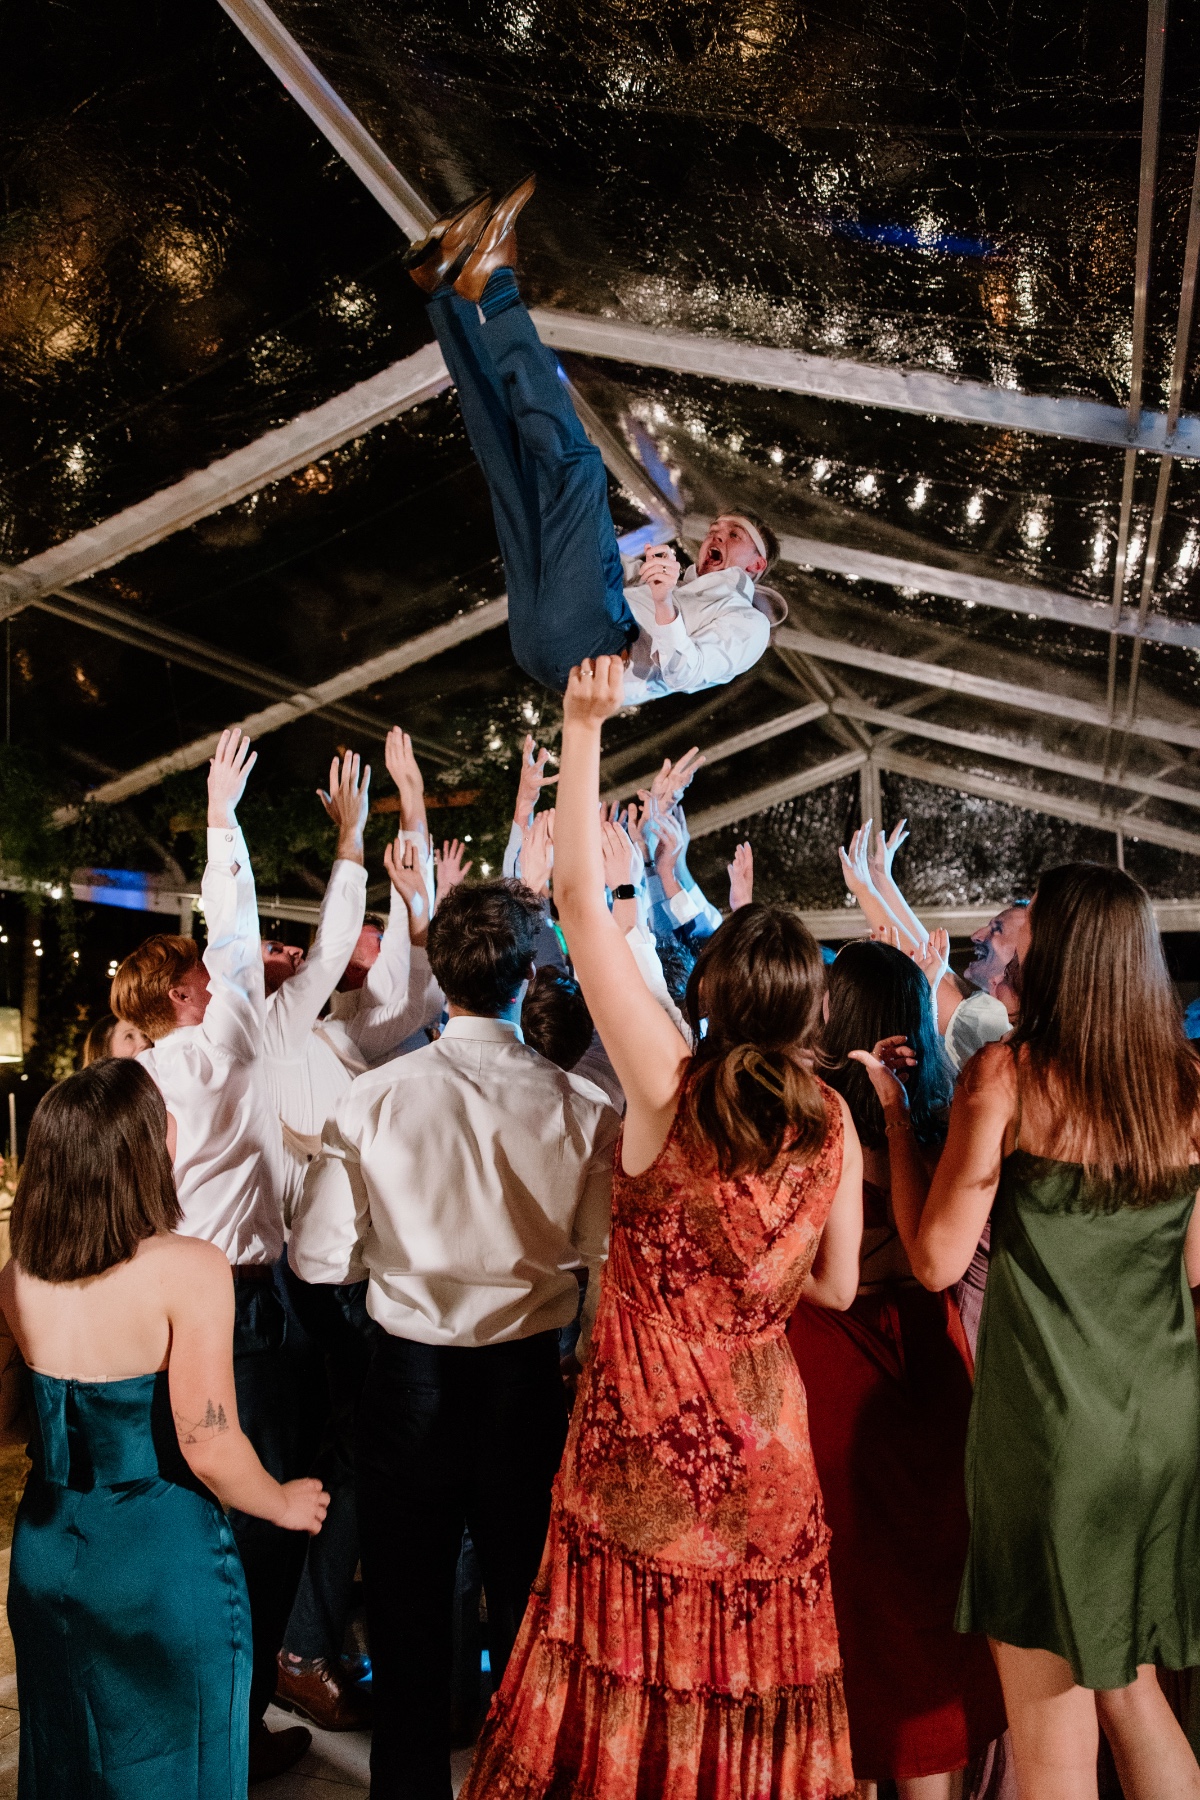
795	1348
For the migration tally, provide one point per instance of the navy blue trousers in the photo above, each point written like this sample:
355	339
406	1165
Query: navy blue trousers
549	491
447	1437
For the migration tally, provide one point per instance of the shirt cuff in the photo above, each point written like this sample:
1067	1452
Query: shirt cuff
669	637
353	872
682	907
226	845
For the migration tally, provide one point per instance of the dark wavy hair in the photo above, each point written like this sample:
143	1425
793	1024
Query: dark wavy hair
96	1178
875	991
1103	1035
756	988
481	941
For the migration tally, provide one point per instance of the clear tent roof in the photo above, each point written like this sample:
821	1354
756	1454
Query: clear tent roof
187	263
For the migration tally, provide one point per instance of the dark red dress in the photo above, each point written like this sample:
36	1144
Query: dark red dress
889	1391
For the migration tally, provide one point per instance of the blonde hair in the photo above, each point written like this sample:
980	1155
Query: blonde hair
141	988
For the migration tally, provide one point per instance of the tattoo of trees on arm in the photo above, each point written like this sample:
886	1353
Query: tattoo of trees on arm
202	1431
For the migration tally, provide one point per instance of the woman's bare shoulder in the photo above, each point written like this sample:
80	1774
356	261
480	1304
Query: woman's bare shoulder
179	1260
991	1074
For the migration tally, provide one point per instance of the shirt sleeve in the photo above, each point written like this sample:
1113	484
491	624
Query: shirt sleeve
703	908
730	643
296	1007
333	1213
512	852
650	969
427	864
233	1021
388	974
376	1030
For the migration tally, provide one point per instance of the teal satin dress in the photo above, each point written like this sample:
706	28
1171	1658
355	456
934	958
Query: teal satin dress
128	1607
1083	1454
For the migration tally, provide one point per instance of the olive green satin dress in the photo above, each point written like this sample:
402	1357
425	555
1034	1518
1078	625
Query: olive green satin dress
1083	1454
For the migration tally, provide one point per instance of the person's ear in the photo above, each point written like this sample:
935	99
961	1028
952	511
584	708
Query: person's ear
757	568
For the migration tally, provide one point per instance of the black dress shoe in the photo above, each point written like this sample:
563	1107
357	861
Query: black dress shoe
274	1752
441	253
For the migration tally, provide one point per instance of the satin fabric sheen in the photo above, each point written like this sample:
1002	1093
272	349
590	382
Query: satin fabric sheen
127	1605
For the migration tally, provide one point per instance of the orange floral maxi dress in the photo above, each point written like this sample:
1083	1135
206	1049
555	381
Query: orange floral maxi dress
679	1642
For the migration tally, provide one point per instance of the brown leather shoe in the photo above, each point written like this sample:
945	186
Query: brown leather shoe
313	1690
496	245
440	254
274	1752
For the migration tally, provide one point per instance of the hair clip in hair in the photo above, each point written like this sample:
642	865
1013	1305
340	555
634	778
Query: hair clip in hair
760	1070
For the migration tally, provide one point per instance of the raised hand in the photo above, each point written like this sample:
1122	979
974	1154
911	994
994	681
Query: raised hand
634	822
622	862
452	871
348	803
533	780
890	935
897	1056
228	768
660	569
595	691
537	852
405	771
403	864
674	779
889	1091
741	877
882	852
856	869
303	1505
933	956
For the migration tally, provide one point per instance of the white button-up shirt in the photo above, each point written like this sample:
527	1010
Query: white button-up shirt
467	1181
368	1024
718	633
229	1153
304	1076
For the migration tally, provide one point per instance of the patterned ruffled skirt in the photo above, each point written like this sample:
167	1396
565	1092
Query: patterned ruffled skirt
680	1640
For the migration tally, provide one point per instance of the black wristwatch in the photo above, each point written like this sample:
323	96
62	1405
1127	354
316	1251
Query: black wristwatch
626	891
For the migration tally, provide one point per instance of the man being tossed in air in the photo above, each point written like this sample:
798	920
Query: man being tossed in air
570	595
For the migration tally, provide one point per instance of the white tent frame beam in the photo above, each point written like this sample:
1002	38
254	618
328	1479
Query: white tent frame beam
979	687
277	453
306	701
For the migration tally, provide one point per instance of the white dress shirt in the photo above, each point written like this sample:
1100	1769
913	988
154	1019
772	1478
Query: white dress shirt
467	1181
368	1024
304	1076
229	1154
718	633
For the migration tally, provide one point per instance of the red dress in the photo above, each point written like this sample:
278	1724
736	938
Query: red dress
680	1639
889	1391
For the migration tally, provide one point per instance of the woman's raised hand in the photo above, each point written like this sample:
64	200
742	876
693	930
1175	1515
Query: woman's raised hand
889	1089
933	957
595	691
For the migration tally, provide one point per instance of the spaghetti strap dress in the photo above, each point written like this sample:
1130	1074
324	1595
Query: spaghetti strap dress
680	1639
127	1605
1083	1453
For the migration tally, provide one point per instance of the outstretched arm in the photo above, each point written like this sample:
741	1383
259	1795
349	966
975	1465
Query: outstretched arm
879	860
649	1055
941	1221
856	873
233	1022
296	1007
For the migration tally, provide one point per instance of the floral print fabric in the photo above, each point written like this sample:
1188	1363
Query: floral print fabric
680	1640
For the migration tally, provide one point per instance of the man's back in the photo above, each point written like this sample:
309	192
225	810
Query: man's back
475	1175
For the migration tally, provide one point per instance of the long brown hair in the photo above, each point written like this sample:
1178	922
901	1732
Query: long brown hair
96	1178
757	987
1101	1026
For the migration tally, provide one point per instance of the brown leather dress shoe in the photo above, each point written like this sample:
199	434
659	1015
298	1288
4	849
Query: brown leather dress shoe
439	256
313	1690
496	245
274	1752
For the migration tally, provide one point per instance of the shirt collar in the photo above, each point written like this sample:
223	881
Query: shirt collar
495	1031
